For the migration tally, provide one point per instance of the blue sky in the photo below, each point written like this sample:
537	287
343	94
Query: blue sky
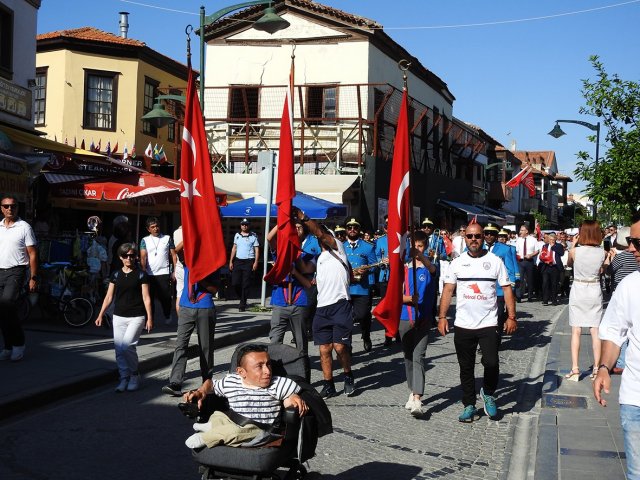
512	79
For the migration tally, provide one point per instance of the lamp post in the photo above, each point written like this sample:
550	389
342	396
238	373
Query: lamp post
507	167
557	132
270	22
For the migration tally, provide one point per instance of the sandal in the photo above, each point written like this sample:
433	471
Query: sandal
573	375
594	374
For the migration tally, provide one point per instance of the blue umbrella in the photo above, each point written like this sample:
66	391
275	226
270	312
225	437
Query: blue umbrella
255	207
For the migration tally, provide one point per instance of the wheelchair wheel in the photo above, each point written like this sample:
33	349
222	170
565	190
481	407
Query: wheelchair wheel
78	312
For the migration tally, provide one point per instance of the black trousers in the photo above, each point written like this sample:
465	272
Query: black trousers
160	288
466	342
312	304
11	280
526	268
241	278
502	313
550	277
362	313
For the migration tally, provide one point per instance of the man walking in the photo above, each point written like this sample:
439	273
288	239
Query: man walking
19	256
474	274
197	311
243	261
382	255
158	259
333	322
360	253
621	322
526	252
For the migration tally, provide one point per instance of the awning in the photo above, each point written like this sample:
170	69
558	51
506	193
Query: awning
53	178
470	210
313	207
327	187
25	138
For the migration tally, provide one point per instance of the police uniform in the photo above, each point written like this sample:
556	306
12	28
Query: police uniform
359	253
435	243
382	252
245	257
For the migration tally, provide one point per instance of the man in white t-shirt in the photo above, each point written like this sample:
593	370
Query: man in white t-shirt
474	274
179	272
333	320
621	322
158	258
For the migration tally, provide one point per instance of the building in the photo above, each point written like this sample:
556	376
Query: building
347	92
93	87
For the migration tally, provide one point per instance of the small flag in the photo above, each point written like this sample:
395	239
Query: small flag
524	176
92	147
125	152
66	142
537	229
149	151
162	156
133	151
108	148
82	146
99	146
75	142
115	149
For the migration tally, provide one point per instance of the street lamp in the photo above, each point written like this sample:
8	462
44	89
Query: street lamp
270	22
557	132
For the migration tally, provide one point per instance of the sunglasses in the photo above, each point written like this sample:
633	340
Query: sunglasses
634	241
10	205
471	236
489	234
352	227
130	255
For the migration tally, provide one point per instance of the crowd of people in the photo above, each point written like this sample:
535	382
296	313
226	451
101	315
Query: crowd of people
332	286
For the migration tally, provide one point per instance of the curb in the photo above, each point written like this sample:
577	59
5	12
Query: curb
88	381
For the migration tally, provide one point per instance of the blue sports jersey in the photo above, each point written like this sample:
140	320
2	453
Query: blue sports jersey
425	287
204	299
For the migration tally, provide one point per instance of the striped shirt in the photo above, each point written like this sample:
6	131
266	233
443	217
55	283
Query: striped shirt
623	264
259	404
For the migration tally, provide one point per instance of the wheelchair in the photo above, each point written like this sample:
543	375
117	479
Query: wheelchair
299	435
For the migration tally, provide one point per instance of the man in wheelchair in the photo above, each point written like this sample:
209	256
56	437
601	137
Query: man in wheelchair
255	398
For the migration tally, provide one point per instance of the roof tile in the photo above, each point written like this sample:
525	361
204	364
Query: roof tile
90	33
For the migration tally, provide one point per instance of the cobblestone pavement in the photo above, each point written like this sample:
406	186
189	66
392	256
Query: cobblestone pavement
376	438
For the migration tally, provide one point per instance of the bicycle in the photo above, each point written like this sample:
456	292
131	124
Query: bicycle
58	299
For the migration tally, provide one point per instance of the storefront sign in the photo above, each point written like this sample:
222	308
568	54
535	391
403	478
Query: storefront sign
15	100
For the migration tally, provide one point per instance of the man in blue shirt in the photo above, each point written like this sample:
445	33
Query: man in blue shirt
289	298
436	251
243	261
360	253
508	256
382	253
197	311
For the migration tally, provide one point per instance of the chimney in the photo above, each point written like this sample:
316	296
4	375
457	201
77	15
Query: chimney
124	24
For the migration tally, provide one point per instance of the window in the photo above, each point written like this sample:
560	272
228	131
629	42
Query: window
243	103
101	93
40	96
479	172
6	42
150	94
322	104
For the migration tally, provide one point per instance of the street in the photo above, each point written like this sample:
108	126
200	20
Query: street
101	434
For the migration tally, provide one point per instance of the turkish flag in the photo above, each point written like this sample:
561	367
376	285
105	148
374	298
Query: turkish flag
388	310
288	243
204	250
525	177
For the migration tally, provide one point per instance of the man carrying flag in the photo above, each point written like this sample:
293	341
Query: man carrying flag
203	243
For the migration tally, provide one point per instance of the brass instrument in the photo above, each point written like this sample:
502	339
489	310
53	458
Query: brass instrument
358	276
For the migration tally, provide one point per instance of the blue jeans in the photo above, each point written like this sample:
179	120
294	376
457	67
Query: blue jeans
630	419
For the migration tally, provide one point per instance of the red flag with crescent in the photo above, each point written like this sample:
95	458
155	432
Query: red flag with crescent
388	310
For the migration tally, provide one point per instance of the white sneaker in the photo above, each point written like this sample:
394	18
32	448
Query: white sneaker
416	409
122	386
409	404
134	383
5	354
17	354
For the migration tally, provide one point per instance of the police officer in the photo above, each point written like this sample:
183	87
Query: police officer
359	253
243	261
382	254
436	252
508	256
341	233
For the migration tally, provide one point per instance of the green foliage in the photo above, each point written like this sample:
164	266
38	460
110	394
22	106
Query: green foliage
541	218
615	182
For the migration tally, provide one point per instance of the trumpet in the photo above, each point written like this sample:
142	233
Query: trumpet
357	277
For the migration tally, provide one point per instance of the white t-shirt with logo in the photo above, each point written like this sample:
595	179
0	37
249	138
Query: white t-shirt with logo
476	298
332	277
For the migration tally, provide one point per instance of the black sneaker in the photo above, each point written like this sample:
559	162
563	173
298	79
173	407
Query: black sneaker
349	387
366	344
173	389
329	390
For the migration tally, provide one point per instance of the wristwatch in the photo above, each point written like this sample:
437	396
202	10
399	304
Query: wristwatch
305	219
34	278
604	366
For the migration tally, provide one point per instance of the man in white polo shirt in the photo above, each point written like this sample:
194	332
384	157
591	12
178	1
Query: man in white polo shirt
19	255
474	274
158	258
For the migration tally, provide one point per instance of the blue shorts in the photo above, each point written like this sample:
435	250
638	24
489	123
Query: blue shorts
333	324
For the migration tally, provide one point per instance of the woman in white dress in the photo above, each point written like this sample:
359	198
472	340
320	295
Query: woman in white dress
585	299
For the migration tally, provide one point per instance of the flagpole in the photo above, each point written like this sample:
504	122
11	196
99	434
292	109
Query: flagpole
404	65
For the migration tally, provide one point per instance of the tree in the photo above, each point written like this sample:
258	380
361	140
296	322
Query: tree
615	182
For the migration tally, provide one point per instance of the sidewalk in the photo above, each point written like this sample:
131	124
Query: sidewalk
61	361
577	438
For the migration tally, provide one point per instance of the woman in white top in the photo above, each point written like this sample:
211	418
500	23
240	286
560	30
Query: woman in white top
585	298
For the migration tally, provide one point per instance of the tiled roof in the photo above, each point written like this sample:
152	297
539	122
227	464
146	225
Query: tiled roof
545	157
304	4
91	33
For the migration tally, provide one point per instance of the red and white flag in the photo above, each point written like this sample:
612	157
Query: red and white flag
204	249
524	176
288	243
474	219
537	229
148	152
388	310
